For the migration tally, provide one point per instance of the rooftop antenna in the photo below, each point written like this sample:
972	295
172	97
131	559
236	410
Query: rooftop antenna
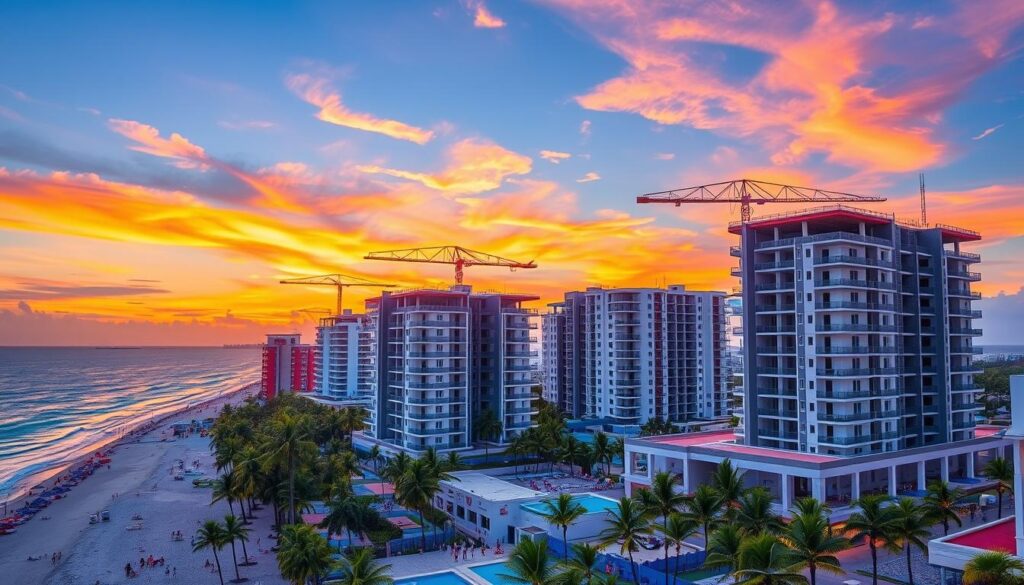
924	207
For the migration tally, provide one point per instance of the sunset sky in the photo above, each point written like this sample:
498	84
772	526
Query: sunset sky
163	165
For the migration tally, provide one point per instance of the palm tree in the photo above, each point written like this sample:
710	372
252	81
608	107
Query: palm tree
249	474
754	513
211	535
338	519
562	513
618	449
234	530
291	445
453	462
912	528
487	426
374	457
225	488
352	419
516	447
676	531
570	451
874	521
704	508
302	554
941	504
528	564
663	500
814	547
395	467
627	524
416	489
993	568
579	570
765	560
1000	470
603	450
728	482
360	568
724	547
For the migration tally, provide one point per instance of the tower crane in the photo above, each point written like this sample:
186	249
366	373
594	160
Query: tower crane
747	191
339	281
457	255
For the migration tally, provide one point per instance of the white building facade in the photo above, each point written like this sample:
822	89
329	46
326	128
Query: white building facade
344	364
444	358
857	332
629	355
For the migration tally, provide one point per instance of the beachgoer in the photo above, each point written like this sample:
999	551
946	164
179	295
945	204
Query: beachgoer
128	570
174	571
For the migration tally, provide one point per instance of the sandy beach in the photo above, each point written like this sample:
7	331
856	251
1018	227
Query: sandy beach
140	475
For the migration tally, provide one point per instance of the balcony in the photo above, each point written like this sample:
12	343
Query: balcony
857	394
774	308
436	339
429	432
774	350
856	372
859	439
855	327
428	416
521	424
856	416
826	237
777	413
964	274
774	434
857	260
759	371
964	331
854	283
965	256
840	305
435	354
854	350
964	293
432	323
735	251
442	370
790	329
773	265
768	286
785	392
420	400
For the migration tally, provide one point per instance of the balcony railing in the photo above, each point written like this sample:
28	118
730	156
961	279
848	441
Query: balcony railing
840	327
856	372
857	416
850	349
855	283
854	440
845	259
824	306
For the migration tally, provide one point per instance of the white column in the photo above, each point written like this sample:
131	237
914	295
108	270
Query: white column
944	468
892	481
855	482
921	479
786	496
686	474
970	464
818	488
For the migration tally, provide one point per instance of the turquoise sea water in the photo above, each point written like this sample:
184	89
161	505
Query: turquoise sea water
592	504
57	404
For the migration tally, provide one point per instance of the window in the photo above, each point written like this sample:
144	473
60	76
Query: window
460	512
472	516
485	522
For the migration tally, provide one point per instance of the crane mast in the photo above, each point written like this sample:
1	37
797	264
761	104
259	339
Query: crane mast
747	192
456	255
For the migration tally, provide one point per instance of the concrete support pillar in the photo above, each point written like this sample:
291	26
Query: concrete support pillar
686	481
818	488
893	478
970	464
787	496
921	479
944	468
855	485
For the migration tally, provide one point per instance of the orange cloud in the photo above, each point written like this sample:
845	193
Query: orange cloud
317	92
482	17
554	156
177	147
474	166
815	93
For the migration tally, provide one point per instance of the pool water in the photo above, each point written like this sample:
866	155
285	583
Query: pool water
592	504
445	578
490	572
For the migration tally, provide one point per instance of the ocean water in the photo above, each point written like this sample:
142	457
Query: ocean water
58	404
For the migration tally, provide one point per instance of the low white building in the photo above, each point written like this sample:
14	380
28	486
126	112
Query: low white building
951	553
494	510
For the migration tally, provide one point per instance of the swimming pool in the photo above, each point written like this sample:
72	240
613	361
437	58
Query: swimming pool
591	503
445	578
490	572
